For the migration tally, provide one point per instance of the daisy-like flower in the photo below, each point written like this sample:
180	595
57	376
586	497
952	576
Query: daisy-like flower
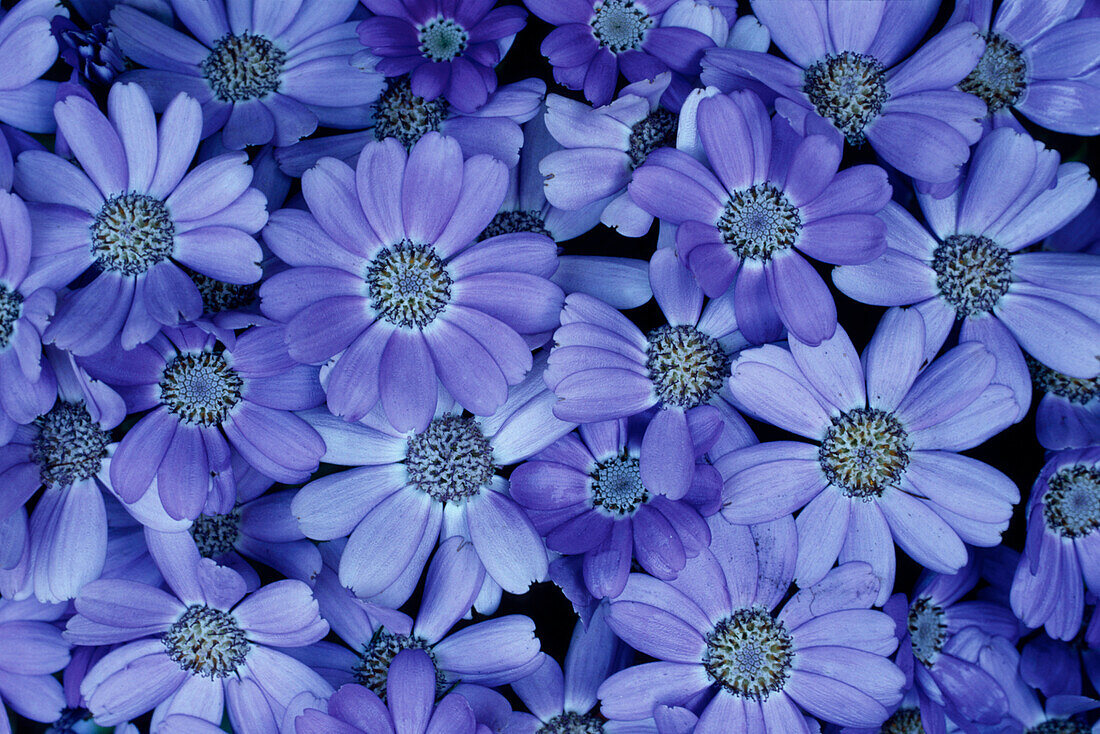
1068	414
595	39
585	494
604	368
269	71
411	707
603	147
33	650
27	51
971	267
203	397
417	488
386	277
1039	60
27	390
714	633
851	65
883	467
133	216
447	49
1062	553
748	222
197	649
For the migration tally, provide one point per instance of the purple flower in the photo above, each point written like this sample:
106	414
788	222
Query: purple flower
386	277
266	73
27	51
883	466
604	368
27	389
202	646
411	707
1062	552
1068	414
416	488
131	215
848	68
1039	60
747	223
603	147
33	650
93	53
715	635
205	396
971	267
448	49
586	495
596	38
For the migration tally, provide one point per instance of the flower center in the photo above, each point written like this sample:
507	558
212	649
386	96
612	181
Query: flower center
1059	726
243	67
373	666
1071	505
70	446
572	723
864	451
441	39
132	233
451	460
972	273
904	721
759	221
400	114
1077	390
849	89
687	366
617	486
408	284
215	534
749	653
927	630
527	220
657	130
1000	76
11	308
218	296
620	25
200	388
207	642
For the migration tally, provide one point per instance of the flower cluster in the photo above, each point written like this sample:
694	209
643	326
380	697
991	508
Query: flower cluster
549	367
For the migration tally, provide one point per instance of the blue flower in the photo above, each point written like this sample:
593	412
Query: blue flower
93	53
27	50
33	650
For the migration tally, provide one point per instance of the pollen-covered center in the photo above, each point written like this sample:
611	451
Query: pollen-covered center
400	114
927	629
243	67
864	451
408	284
1000	76
441	39
904	721
687	366
758	222
132	233
11	308
571	722
616	485
522	220
200	387
749	653
70	446
657	130
620	25
1071	505
218	296
451	460
1077	390
207	642
1059	726
972	273
215	534
373	667
848	89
